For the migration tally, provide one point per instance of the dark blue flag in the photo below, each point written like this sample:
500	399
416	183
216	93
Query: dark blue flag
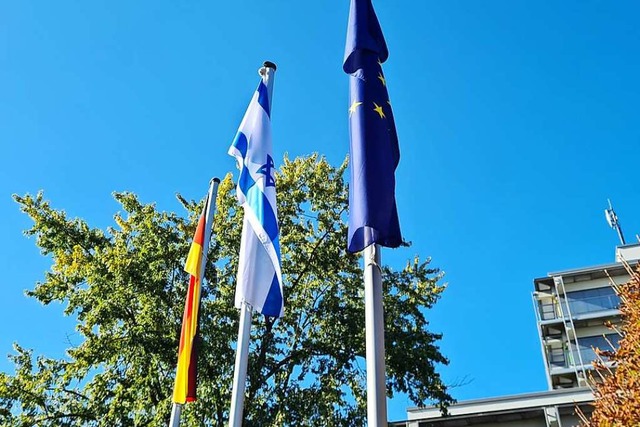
373	217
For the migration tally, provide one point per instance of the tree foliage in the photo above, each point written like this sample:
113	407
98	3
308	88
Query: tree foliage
618	392
125	287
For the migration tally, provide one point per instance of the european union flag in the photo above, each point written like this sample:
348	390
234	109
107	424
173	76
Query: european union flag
373	216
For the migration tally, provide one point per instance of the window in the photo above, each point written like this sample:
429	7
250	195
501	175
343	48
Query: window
592	300
587	346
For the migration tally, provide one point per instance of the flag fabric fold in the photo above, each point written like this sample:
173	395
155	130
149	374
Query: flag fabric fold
259	280
374	150
185	383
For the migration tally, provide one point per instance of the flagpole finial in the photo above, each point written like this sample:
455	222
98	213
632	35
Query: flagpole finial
266	65
216	179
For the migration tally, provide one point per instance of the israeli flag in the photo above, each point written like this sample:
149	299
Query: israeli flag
259	282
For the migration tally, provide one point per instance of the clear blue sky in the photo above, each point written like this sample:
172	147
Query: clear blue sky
517	120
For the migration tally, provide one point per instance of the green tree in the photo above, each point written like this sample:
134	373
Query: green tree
125	286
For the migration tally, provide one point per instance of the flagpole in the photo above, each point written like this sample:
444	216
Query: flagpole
210	210
240	370
374	332
175	415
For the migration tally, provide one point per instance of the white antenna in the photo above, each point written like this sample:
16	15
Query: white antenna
612	219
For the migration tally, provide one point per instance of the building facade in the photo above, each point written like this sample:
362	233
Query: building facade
575	310
575	313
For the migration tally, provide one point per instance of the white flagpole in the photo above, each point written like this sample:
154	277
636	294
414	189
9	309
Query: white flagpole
374	330
240	370
244	328
209	213
175	415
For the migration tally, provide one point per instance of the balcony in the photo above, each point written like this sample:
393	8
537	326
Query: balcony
593	304
562	360
581	306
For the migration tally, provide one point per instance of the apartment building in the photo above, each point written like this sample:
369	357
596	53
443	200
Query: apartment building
574	311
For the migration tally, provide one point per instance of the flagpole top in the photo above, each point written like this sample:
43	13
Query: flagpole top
270	64
216	179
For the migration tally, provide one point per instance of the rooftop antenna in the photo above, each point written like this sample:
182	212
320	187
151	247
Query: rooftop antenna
612	219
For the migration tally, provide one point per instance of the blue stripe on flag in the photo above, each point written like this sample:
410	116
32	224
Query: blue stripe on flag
273	303
240	143
263	98
245	182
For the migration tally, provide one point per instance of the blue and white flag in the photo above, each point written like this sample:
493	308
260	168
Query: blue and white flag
259	281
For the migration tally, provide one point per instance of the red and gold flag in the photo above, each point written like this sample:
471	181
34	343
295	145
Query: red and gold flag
185	386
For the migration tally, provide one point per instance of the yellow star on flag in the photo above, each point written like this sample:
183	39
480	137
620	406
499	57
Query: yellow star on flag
353	107
382	79
379	110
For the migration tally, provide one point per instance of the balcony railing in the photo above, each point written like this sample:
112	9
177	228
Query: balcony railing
593	304
563	358
551	311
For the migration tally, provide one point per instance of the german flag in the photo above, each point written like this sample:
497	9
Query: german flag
185	386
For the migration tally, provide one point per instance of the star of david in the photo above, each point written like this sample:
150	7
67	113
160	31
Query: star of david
269	180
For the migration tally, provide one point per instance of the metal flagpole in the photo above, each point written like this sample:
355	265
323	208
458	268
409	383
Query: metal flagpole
374	329
240	370
175	415
210	211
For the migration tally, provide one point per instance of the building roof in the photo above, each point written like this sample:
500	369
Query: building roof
503	408
630	251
